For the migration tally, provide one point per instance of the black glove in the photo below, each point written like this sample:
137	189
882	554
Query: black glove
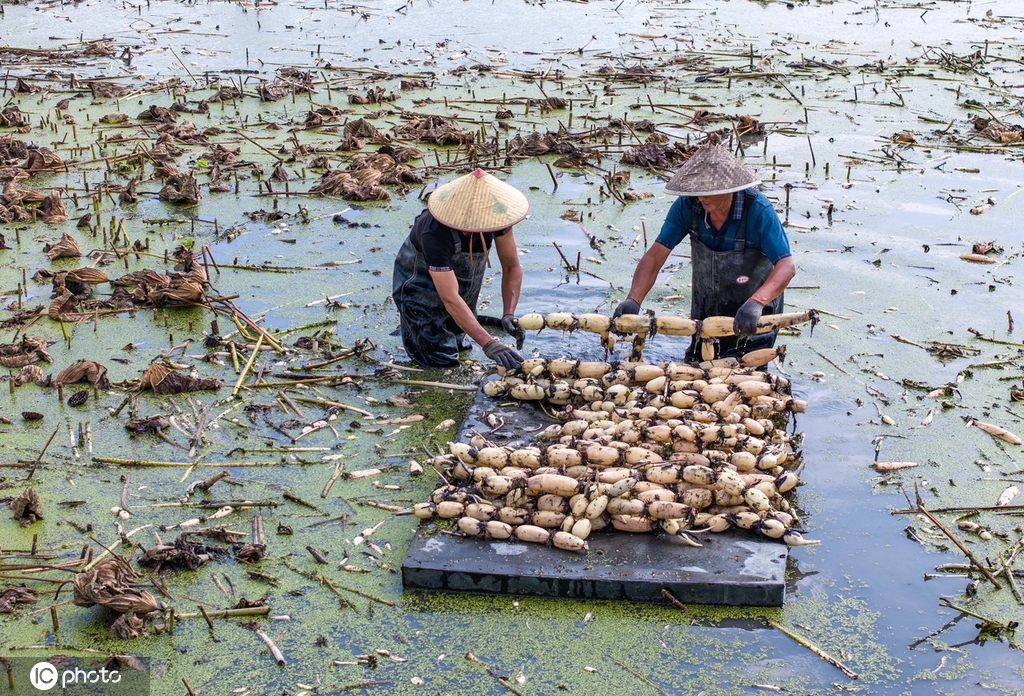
503	355
508	322
745	323
627	306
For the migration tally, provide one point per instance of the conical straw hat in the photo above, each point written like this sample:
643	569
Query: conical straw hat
711	170
478	202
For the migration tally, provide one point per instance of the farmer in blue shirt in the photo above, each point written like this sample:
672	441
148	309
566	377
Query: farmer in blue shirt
739	250
439	270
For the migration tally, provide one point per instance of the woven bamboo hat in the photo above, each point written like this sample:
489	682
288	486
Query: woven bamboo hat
711	170
478	202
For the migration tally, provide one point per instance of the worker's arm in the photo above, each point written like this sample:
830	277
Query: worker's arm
447	286
647	270
782	273
511	272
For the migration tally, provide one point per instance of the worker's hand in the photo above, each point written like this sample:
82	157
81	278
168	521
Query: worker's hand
508	322
503	355
745	323
627	306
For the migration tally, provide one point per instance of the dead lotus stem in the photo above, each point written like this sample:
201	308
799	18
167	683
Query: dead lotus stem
944	602
358	592
639	676
336	404
274	650
235	313
501	680
248	365
146	462
817	651
1006	562
440	385
959	544
338	468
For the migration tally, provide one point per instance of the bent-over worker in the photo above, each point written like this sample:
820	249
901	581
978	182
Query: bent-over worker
440	268
740	256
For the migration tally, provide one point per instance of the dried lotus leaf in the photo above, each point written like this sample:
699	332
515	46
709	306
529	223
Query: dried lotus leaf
132	601
152	424
92	276
153	376
143	277
84	371
28	507
52	208
67	247
21	360
177	291
30	373
19	594
180	187
127	627
176	383
64	303
82	589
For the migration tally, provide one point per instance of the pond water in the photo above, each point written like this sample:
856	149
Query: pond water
877	225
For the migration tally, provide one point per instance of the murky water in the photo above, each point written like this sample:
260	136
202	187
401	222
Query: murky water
884	264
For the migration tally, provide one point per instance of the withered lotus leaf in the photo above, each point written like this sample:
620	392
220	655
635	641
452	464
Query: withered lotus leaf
143	277
127	627
153	376
177	383
19	594
28	507
92	276
30	373
177	291
84	371
64	303
52	208
67	247
151	424
21	354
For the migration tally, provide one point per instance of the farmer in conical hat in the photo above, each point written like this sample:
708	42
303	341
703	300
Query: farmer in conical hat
440	268
740	256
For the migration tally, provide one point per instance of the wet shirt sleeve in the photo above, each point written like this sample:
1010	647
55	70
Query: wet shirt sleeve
765	231
677	223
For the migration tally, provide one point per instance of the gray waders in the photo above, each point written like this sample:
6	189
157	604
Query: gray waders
430	336
723	281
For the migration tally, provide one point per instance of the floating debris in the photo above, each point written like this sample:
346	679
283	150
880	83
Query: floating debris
27	507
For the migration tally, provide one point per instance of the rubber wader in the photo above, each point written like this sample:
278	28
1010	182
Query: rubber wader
430	336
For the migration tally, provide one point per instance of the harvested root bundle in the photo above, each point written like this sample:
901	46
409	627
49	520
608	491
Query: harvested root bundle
718	327
710	327
680	448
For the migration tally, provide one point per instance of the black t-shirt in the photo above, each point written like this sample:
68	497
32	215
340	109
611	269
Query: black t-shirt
436	241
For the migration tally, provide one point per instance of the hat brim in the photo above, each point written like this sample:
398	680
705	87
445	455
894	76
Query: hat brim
716	192
478	202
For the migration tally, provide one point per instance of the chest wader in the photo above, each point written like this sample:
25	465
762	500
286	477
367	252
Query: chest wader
429	334
723	281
